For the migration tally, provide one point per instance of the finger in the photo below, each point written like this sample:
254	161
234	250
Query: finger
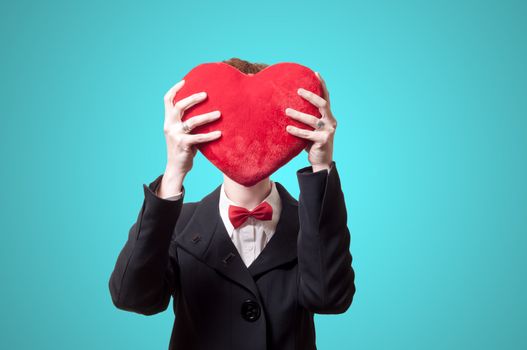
201	119
324	87
302	117
316	100
193	139
303	133
171	93
325	90
189	101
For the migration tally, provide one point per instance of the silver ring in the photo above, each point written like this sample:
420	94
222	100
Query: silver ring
185	127
320	124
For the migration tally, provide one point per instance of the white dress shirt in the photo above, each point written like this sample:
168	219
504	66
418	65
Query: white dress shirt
174	197
251	237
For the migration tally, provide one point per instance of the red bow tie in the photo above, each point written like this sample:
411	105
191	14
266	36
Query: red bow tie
238	215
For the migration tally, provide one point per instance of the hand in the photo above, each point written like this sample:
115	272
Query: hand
181	146
320	151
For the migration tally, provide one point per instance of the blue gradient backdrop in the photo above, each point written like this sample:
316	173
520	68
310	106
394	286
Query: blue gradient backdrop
431	149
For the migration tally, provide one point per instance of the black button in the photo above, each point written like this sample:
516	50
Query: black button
250	310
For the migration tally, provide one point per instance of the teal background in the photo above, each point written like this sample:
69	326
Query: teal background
431	149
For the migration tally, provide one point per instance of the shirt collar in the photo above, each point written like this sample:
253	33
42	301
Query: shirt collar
269	225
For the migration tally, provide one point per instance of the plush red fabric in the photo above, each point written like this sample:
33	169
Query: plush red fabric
254	142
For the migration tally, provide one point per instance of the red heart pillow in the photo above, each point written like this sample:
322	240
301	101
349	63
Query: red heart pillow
254	142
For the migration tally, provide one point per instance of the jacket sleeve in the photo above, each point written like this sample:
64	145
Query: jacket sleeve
326	283
143	277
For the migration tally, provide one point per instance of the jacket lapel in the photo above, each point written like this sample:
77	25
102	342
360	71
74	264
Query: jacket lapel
206	238
282	246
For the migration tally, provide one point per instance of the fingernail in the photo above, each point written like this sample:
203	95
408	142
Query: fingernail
287	110
299	91
202	94
217	113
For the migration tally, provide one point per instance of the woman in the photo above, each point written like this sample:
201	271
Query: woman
247	267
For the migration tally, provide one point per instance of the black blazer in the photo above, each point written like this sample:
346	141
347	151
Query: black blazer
182	250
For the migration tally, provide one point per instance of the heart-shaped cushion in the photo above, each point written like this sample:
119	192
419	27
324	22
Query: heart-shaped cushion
254	142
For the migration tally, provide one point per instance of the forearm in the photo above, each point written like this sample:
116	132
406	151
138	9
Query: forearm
326	277
139	280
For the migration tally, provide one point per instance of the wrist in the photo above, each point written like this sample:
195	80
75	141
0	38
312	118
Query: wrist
174	175
171	184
